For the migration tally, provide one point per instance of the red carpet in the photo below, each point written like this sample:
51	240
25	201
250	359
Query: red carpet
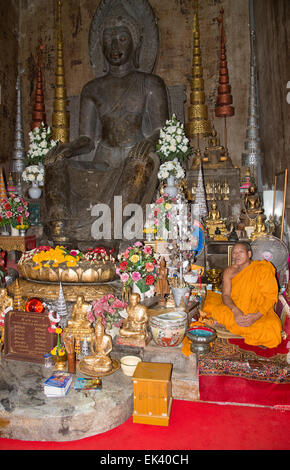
267	352
193	426
239	390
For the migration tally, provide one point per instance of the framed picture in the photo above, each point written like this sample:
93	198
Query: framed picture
279	202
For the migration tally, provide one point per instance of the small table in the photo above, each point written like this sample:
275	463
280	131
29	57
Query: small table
19	243
9	243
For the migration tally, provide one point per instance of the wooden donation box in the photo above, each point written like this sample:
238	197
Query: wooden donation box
152	390
27	337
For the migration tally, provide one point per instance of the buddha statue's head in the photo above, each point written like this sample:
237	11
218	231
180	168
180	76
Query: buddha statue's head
120	37
252	189
134	299
99	327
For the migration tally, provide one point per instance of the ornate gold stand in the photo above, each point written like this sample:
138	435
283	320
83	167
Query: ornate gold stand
50	291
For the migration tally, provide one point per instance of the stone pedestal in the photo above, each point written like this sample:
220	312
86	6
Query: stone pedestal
184	373
26	413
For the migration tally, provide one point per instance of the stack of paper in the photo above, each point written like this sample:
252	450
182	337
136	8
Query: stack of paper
58	384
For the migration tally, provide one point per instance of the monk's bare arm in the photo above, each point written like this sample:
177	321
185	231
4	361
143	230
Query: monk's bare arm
239	316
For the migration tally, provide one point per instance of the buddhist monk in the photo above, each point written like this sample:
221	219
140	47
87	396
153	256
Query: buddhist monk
246	306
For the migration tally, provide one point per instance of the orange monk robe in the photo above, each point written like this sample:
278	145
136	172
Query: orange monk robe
254	289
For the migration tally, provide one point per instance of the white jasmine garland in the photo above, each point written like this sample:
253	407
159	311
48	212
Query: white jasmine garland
171	168
40	143
173	142
33	173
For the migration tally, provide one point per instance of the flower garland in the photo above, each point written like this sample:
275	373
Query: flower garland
173	142
40	143
160	215
108	307
58	350
137	265
46	256
33	174
171	168
14	211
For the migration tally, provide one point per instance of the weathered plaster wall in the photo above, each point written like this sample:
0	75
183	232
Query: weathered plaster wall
38	18
9	19
273	63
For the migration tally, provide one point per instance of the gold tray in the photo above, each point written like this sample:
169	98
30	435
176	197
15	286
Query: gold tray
116	366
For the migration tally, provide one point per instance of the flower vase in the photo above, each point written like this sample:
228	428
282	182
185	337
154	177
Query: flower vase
180	293
60	362
171	188
14	232
34	191
114	331
22	232
136	290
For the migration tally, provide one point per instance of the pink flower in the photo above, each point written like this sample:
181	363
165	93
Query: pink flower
136	276
73	253
156	222
124	277
26	214
138	244
160	200
9	214
20	209
126	254
149	267
147	250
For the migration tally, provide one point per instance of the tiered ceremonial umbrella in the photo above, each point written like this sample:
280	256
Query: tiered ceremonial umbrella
224	108
3	193
198	122
38	113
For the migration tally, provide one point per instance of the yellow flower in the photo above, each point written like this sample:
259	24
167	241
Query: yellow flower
167	206
58	330
134	258
53	351
61	352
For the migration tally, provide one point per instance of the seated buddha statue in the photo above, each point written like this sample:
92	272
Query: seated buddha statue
260	228
135	325
214	221
79	326
253	207
121	113
215	155
99	361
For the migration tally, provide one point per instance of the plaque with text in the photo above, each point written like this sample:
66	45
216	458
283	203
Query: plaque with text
27	337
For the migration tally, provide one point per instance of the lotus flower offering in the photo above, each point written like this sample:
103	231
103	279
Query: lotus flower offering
59	264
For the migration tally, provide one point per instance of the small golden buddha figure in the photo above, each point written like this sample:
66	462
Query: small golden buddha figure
260	228
79	326
196	160
6	304
215	155
215	221
253	207
99	362
135	325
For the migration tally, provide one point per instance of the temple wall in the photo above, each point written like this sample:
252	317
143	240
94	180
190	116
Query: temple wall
38	19
9	26
273	34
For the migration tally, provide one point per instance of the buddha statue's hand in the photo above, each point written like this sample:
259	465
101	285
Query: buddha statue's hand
141	149
78	146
